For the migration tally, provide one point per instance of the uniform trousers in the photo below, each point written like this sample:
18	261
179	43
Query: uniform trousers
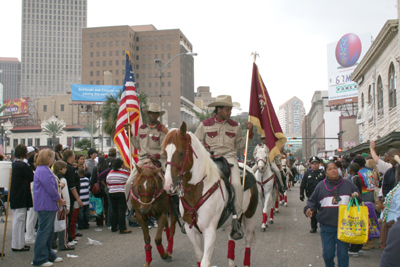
18	230
235	180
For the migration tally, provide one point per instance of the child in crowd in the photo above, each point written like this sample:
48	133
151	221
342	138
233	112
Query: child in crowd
59	169
84	212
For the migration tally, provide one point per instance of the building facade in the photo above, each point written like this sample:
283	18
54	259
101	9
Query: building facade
104	50
290	116
203	97
10	77
51	46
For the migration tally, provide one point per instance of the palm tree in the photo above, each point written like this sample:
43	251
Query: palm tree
203	115
110	109
53	129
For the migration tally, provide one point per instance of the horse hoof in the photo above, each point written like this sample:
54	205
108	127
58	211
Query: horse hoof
277	211
167	258
289	189
263	229
271	222
146	265
286	205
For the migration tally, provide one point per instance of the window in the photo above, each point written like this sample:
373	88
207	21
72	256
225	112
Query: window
370	95
37	141
62	107
91	73
169	46
380	96
15	142
98	35
111	34
91	63
30	141
98	73
110	43
110	62
169	37
104	63
110	53
362	100
116	43
392	87
91	54
22	141
104	44
44	108
143	39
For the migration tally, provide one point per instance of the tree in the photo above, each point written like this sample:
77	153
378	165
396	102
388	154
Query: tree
84	144
110	109
201	116
53	129
252	142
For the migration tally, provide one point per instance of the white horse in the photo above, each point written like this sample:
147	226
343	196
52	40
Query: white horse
191	172
286	172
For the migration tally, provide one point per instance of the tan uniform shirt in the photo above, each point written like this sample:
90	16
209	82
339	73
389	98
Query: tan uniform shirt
224	138
149	140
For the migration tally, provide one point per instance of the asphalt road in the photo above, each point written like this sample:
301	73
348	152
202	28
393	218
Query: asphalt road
286	243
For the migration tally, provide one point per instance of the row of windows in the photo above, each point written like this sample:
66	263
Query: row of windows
59	2
150	38
380	92
22	141
110	34
110	44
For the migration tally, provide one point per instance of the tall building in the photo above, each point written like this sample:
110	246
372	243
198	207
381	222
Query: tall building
10	77
51	46
103	49
290	115
203	97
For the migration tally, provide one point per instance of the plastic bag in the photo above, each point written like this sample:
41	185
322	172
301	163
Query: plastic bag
93	242
95	206
353	223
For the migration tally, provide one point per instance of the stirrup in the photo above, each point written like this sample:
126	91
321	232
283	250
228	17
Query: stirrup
183	230
237	232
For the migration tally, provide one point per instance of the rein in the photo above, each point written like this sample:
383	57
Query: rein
155	195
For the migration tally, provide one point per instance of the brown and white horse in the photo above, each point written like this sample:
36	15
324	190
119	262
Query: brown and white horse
150	199
194	176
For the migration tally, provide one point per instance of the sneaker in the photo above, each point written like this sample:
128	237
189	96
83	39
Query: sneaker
78	234
55	251
45	264
353	253
68	247
58	259
30	241
77	238
72	243
360	252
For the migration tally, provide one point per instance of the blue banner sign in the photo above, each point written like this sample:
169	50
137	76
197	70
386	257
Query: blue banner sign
93	93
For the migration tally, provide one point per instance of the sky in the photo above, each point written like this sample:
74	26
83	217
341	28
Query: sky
290	36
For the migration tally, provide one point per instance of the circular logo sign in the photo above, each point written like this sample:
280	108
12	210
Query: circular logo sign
348	50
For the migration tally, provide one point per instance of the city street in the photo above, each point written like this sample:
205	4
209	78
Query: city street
286	243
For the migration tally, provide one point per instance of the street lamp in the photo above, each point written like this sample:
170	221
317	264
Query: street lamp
91	131
158	64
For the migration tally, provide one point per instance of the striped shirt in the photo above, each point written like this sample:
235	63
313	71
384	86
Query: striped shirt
116	180
84	191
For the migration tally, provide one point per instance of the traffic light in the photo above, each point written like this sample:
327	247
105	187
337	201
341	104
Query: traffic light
289	145
340	150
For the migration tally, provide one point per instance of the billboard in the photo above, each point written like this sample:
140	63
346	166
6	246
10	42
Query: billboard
17	106
343	57
93	93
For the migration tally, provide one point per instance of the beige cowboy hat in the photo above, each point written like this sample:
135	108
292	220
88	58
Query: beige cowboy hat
153	107
224	101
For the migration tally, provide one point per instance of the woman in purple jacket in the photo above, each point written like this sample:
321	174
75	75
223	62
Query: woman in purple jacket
47	200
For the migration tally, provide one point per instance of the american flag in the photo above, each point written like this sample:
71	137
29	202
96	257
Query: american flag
129	106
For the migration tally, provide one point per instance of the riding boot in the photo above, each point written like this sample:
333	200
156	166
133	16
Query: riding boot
237	232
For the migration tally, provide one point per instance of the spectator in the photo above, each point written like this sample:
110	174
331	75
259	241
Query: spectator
91	163
334	190
116	181
84	212
31	217
390	175
390	255
345	167
47	199
367	178
20	197
80	163
101	167
58	152
112	154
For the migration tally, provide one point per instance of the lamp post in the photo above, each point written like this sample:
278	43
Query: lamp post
158	64
91	131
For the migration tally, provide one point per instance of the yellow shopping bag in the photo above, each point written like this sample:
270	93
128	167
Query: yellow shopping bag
353	223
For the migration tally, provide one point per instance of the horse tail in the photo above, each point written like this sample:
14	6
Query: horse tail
251	210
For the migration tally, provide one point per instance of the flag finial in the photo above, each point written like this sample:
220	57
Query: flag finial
255	55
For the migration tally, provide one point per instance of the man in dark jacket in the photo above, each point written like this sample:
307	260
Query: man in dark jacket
390	255
310	181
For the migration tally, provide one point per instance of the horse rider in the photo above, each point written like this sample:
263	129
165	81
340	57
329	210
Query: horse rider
310	181
224	137
148	142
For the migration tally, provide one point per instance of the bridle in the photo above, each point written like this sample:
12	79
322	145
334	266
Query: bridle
266	164
155	195
186	158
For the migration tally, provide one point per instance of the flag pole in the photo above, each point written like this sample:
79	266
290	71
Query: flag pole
254	54
130	143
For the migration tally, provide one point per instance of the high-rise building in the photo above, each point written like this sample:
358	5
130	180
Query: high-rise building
51	46
103	49
10	77
290	115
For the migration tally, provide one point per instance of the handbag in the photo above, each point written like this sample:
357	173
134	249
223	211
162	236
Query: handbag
374	227
353	223
96	186
60	222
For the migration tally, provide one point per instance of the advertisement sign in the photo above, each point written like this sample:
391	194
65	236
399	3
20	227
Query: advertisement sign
16	106
343	57
93	93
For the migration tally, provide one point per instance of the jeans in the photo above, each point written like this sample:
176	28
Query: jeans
301	177
118	203
18	229
44	238
83	217
330	244
109	208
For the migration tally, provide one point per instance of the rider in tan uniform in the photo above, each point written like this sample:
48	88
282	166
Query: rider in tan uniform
148	142
224	137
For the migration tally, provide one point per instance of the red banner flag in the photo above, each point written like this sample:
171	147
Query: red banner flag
262	115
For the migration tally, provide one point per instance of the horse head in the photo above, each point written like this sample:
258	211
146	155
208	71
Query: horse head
147	186
177	148
262	157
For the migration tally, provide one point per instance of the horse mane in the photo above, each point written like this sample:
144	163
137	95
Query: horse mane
208	167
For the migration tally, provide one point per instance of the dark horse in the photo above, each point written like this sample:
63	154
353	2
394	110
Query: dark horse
150	199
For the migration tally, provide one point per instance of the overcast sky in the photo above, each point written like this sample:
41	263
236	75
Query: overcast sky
291	37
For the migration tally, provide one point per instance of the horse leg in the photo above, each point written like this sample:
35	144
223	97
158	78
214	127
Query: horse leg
210	236
276	202
162	222
171	233
197	241
285	197
264	225
250	224
146	236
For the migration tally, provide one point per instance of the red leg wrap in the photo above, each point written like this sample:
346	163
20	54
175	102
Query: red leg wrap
161	250
280	198
285	199
264	218
170	245
231	250
147	248
247	255
276	204
198	264
272	213
166	230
